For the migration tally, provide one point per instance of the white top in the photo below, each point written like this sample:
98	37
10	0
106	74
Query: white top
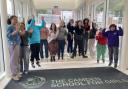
52	36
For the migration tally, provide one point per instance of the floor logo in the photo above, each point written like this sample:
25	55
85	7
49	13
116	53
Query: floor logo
33	82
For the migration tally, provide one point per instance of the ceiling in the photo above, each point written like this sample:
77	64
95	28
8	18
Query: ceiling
63	4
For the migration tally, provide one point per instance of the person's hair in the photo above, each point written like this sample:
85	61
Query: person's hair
71	20
86	19
9	19
77	23
93	25
55	29
69	23
23	24
64	24
112	25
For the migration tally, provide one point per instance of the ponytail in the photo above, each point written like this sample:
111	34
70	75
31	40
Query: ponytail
8	21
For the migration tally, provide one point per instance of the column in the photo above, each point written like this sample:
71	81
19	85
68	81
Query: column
106	8
3	8
124	56
13	6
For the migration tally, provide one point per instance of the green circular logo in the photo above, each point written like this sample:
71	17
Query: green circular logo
33	82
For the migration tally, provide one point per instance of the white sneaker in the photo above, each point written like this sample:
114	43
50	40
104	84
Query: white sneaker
16	78
19	75
26	72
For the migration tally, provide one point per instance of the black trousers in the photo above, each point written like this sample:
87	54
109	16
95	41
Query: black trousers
113	54
78	42
85	42
35	49
70	46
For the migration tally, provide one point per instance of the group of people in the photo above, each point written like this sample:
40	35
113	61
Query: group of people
23	39
85	36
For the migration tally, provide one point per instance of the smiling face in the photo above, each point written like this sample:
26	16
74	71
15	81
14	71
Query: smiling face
53	26
80	23
112	28
14	20
86	21
71	21
22	26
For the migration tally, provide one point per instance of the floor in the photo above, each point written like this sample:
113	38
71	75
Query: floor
77	62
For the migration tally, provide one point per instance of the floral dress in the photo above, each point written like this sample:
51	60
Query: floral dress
53	43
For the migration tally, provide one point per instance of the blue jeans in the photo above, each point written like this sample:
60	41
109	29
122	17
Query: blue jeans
70	46
85	43
45	44
61	44
24	58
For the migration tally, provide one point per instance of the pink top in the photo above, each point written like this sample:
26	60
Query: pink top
44	33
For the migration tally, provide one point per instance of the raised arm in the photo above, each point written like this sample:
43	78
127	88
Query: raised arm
120	31
43	24
32	23
105	33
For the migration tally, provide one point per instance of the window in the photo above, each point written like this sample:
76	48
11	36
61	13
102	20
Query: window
9	7
115	12
100	14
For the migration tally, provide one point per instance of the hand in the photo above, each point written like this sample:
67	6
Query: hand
104	29
66	43
22	33
30	31
17	27
120	27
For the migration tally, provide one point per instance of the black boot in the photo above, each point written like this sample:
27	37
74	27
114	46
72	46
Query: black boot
38	64
103	61
51	59
97	61
33	66
62	56
58	57
115	66
110	63
54	58
72	56
84	55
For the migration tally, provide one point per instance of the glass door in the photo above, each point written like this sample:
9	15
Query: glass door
100	13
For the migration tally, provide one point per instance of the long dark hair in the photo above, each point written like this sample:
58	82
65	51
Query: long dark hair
77	23
9	19
86	19
55	29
